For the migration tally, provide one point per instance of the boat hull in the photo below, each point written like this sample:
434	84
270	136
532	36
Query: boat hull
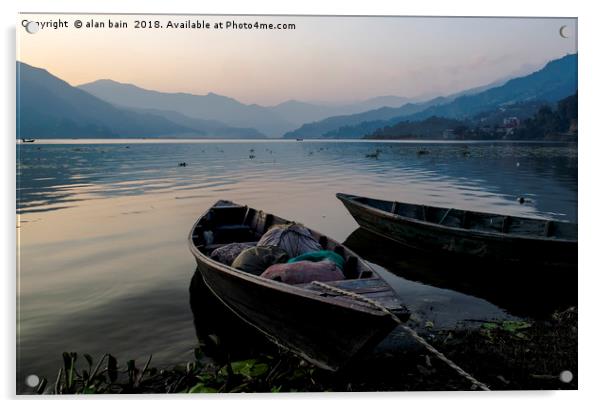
434	238
326	334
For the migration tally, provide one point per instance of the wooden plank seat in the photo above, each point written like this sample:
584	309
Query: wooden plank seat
375	289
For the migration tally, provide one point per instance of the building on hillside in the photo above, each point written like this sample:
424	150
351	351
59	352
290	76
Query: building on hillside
511	122
448	134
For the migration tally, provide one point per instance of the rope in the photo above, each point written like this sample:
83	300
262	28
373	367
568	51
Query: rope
410	331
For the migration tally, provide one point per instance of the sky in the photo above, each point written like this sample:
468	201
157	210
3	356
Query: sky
323	59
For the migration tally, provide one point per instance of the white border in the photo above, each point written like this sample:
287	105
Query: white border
590	149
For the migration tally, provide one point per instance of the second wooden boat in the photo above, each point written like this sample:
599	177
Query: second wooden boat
469	233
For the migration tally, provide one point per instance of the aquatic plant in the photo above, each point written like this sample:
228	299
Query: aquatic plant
202	375
511	354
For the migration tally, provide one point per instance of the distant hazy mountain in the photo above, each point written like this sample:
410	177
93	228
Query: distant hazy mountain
205	128
48	107
321	128
391	101
298	113
556	80
205	107
430	128
273	121
358	124
537	121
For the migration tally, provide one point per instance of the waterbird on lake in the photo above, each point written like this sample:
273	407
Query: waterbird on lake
374	155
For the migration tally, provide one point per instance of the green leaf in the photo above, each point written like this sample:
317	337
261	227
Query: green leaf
259	369
89	390
69	362
89	359
41	386
131	365
112	368
201	388
215	339
512	325
238	366
249	368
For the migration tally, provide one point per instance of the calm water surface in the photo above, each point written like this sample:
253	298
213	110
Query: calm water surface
103	259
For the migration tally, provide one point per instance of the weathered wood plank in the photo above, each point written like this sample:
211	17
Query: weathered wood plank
357	283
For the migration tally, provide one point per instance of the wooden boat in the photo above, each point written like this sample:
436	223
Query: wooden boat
462	232
323	327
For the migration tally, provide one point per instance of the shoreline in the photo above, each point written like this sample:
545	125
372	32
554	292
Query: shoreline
60	141
505	355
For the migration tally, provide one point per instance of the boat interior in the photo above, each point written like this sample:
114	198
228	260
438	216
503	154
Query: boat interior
476	221
229	222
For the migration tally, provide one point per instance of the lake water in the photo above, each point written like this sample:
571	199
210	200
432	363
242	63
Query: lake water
102	227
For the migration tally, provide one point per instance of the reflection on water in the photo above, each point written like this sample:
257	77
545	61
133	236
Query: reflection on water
478	176
521	289
104	264
223	334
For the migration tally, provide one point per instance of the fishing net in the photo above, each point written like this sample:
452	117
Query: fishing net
257	259
295	239
318	256
228	253
304	272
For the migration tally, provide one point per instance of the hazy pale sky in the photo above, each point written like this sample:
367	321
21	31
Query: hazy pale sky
322	59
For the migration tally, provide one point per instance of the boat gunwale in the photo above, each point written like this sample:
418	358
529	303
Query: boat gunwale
349	303
350	198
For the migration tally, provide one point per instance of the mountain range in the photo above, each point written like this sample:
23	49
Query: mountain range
206	107
556	80
49	107
272	121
